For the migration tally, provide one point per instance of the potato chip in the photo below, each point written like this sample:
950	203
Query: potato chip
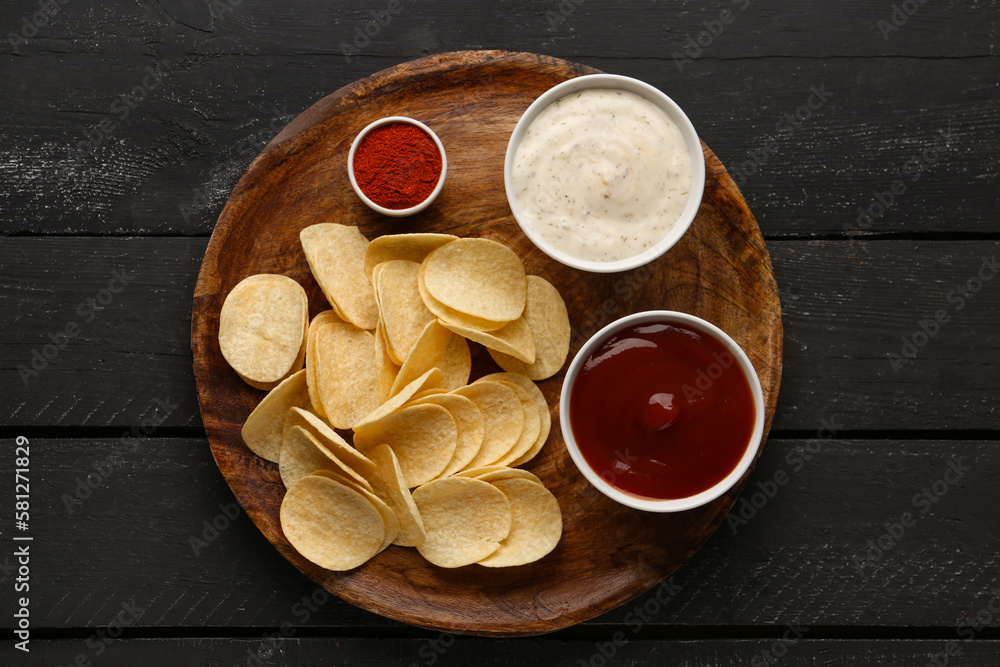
537	447
437	348
545	313
466	519
503	419
297	364
495	473
302	454
268	386
411	247
262	429
261	330
373	278
478	277
330	524
329	439
481	470
470	423
317	323
431	377
336	256
384	366
390	485
423	438
536	524
345	373
404	314
532	425
452	316
514	339
424	393
342	478
543	411
388	516
392	525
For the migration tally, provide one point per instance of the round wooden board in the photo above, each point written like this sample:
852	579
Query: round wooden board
719	271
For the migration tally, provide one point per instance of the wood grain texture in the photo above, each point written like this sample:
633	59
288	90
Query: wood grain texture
367	652
791	563
168	168
878	299
845	307
131	347
259	27
720	271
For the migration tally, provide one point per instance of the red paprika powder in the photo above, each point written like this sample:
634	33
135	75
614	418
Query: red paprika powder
397	165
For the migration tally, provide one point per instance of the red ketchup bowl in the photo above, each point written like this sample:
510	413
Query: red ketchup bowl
662	411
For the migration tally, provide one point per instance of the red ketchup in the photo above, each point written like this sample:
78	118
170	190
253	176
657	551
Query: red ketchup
662	411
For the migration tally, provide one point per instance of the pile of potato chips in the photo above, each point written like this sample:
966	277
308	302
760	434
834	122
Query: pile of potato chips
391	362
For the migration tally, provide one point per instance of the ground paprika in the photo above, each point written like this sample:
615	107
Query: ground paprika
397	165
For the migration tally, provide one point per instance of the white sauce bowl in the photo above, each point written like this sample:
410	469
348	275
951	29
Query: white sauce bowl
673	112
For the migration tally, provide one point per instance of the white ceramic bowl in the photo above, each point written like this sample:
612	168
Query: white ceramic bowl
397	212
678	504
673	112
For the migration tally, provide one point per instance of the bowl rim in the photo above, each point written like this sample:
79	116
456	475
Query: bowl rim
397	212
672	110
675	504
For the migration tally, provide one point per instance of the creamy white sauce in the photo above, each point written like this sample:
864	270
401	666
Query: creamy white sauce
602	174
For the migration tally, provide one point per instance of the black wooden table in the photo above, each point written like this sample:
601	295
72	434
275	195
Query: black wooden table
865	138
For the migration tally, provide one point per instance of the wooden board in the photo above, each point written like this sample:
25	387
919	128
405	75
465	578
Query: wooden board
165	179
447	650
720	271
791	562
844	307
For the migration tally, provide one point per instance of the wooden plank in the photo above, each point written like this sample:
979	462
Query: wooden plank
452	651
168	167
800	28
846	306
131	347
793	562
857	348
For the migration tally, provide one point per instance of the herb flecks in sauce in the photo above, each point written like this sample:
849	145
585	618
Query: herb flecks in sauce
602	174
